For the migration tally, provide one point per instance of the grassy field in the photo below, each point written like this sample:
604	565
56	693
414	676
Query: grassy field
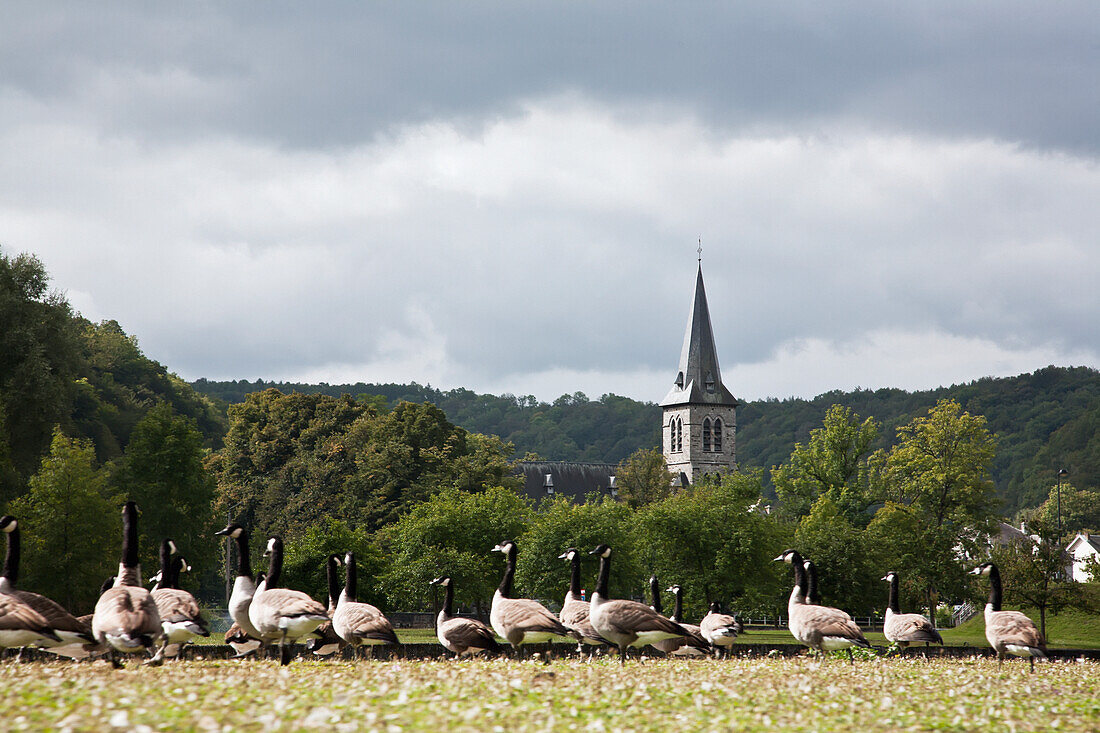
661	695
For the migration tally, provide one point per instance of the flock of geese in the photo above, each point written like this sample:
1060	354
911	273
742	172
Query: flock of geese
128	619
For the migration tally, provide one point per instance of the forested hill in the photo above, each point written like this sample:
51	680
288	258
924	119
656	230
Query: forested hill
1043	421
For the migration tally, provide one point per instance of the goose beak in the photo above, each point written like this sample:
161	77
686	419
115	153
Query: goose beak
975	571
223	532
778	559
563	556
885	577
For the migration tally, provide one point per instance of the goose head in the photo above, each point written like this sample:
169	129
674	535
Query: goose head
984	569
889	577
602	551
507	548
715	607
8	523
443	581
788	556
233	530
568	554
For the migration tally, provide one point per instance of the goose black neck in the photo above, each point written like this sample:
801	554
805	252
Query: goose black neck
605	575
655	594
994	588
678	604
351	581
275	564
799	571
333	580
449	599
11	560
165	564
810	574
894	605
505	586
244	558
575	575
129	535
172	578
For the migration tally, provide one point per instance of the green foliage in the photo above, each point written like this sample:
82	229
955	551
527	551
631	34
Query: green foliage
1080	511
644	478
832	464
560	524
70	526
452	533
846	575
712	539
162	470
304	565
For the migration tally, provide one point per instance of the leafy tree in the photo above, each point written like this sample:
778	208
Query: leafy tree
939	472
70	526
837	548
644	478
560	524
712	539
1033	573
452	533
162	470
307	555
832	464
896	539
1080	511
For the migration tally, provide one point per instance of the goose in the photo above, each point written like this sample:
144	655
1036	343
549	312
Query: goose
459	634
280	614
181	618
518	620
239	639
360	624
905	628
626	623
244	587
126	619
720	629
72	633
1009	632
575	610
818	627
325	641
693	645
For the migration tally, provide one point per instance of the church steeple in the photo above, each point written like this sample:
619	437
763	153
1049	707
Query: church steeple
700	414
699	380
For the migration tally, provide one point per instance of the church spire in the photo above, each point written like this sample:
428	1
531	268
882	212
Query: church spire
699	380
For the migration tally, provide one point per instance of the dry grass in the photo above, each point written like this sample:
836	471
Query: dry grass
662	695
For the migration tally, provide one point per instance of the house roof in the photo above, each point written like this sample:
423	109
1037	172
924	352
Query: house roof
1092	540
699	380
574	480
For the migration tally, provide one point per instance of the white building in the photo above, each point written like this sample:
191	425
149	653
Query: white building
1082	548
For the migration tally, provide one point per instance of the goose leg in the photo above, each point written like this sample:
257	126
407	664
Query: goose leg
1032	660
622	655
851	659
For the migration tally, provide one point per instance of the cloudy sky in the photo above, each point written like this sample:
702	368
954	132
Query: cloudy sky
508	196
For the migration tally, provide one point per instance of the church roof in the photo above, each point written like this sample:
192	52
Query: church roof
565	478
699	380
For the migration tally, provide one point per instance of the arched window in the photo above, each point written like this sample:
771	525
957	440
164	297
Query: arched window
679	435
680	380
674	435
706	434
717	435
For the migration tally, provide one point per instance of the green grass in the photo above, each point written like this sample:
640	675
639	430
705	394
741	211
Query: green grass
479	695
1068	630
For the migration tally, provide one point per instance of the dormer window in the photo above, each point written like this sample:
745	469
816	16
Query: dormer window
548	484
680	380
710	382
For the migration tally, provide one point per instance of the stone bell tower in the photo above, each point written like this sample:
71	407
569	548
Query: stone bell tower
700	414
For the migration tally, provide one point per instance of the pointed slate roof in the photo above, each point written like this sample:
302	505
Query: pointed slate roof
699	380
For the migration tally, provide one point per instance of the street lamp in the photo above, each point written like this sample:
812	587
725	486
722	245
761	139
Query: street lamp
1062	473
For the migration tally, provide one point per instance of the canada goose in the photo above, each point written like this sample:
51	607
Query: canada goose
1009	632
325	641
575	610
281	614
626	623
812	597
905	628
72	634
180	615
242	643
126	617
244	587
720	629
818	627
459	634
693	645
360	624
519	620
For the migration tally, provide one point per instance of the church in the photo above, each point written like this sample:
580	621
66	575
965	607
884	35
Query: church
699	423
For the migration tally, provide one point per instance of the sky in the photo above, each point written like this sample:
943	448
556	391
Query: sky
509	197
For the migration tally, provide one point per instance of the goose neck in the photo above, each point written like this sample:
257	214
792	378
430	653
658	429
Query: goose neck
505	586
655	595
575	575
244	558
448	600
129	537
351	580
11	559
994	588
678	604
894	604
602	579
333	578
275	565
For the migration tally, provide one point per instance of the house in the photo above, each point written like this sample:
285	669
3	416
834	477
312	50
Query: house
1080	550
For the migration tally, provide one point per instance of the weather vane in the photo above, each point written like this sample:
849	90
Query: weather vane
700	250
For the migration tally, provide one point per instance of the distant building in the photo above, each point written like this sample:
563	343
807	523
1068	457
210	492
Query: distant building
545	479
700	414
1080	550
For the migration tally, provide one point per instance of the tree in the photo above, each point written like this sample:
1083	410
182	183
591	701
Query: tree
452	533
306	557
70	525
712	539
939	472
560	524
1033	573
836	546
643	478
1080	511
832	464
162	470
